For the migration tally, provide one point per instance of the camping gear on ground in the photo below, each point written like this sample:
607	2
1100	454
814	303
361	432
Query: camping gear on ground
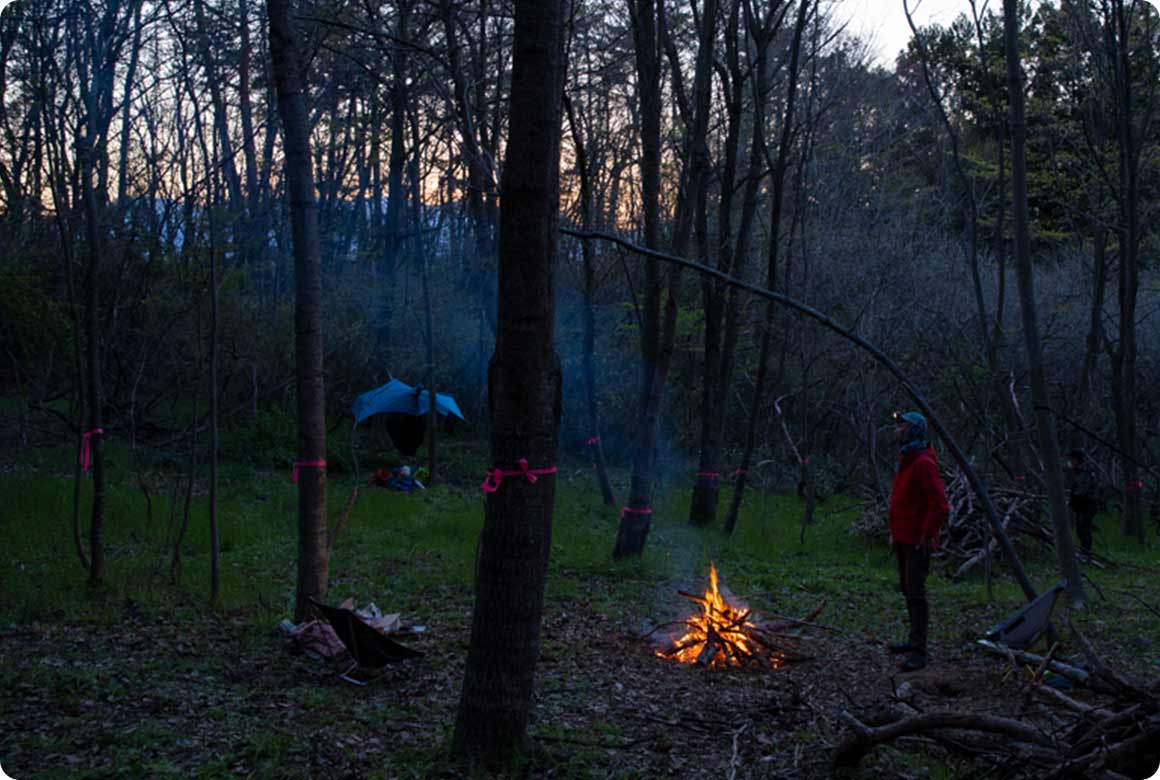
370	649
314	638
398	478
1024	627
406	408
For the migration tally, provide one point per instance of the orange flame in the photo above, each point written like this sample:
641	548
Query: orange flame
720	635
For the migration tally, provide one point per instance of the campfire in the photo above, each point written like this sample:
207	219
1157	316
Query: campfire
725	634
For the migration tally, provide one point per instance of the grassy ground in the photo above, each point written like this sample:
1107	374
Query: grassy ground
142	680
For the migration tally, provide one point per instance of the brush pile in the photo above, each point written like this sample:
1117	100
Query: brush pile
966	540
1106	726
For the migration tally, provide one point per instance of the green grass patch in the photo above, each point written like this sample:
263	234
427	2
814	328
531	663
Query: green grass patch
414	553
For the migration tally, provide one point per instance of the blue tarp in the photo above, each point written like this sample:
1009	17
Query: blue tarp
398	396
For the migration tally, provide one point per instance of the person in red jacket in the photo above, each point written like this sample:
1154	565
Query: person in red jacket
918	508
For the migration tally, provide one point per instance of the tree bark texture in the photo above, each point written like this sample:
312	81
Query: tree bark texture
691	216
94	233
1044	421
479	173
778	173
715	383
215	565
1131	517
106	35
635	519
589	314
524	380
313	557
1091	349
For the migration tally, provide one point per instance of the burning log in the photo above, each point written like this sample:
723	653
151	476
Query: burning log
723	634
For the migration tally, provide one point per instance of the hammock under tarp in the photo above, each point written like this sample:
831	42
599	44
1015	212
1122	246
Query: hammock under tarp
406	408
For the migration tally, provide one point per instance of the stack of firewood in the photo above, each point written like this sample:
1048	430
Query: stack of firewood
1107	727
966	539
733	637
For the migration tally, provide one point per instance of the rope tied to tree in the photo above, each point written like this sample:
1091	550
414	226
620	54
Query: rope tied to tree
305	464
495	476
87	447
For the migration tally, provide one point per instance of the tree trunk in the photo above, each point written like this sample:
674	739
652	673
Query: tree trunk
589	316
1044	421
524	380
778	174
215	576
432	412
64	227
94	396
194	428
479	174
220	119
1095	331
714	391
634	524
397	160
126	106
313	559
1131	517
246	111
732	328
635	518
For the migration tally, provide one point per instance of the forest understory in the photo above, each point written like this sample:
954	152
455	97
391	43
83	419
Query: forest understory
143	680
150	696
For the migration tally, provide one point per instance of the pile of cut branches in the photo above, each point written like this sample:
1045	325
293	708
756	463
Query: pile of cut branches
966	539
1107	727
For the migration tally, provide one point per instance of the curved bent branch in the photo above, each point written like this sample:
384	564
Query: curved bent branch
833	326
864	737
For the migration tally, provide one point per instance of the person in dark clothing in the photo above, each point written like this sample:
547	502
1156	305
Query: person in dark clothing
1083	496
918	508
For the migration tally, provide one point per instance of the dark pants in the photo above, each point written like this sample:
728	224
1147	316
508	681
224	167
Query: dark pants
913	565
1083	529
1084	509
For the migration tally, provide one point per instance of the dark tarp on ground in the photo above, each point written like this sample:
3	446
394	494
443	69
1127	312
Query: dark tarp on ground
369	648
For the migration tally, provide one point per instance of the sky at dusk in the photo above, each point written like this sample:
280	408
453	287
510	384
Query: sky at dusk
883	23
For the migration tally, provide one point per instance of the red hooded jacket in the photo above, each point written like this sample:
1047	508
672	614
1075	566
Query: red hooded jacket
918	503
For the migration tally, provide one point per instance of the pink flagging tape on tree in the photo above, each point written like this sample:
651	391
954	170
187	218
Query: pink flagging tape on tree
624	510
593	440
710	475
304	464
87	446
494	477
741	472
1138	485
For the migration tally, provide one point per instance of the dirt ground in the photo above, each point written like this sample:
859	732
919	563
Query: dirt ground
151	697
